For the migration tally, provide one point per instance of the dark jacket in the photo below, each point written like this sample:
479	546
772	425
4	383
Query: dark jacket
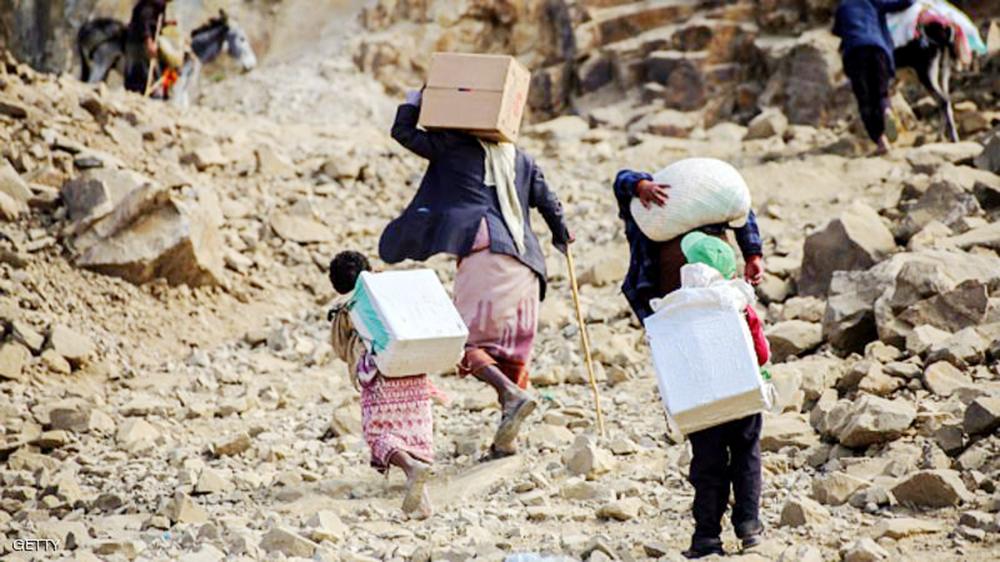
862	23
445	213
145	16
641	282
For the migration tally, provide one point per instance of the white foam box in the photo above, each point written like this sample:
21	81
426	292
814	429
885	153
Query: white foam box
408	322
706	367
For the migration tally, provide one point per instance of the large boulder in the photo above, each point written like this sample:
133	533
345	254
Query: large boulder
792	338
787	430
849	320
871	420
943	379
95	193
73	346
944	202
932	488
960	308
805	80
681	74
150	232
866	305
987	236
836	488
856	240
43	34
982	416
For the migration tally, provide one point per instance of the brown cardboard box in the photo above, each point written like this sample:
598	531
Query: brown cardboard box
481	94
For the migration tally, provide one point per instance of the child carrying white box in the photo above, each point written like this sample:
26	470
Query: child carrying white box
396	414
725	455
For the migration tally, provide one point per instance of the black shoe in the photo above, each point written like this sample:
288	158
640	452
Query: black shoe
702	547
749	534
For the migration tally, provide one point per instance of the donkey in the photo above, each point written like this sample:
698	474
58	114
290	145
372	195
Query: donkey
101	46
931	55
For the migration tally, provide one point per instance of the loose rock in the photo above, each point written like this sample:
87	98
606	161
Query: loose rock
857	239
932	488
799	511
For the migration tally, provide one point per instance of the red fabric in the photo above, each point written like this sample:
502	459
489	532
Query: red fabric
477	359
760	345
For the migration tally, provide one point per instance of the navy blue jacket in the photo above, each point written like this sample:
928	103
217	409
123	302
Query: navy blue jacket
861	23
641	281
445	213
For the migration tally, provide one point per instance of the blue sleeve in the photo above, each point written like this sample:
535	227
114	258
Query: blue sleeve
889	6
748	237
545	200
625	183
422	143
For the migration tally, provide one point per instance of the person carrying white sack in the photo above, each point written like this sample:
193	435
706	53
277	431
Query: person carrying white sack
654	267
725	457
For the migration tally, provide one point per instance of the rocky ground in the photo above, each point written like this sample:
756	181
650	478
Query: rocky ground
169	392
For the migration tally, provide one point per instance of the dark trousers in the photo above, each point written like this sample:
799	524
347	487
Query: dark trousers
726	456
868	69
136	68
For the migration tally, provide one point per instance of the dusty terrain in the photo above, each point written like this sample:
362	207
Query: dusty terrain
185	405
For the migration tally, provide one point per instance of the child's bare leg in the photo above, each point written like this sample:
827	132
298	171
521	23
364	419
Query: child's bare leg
417	473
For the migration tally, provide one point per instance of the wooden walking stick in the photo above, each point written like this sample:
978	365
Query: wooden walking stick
156	61
584	339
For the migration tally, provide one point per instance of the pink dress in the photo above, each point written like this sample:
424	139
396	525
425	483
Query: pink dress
396	412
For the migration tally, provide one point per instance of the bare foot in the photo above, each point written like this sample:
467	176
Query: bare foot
416	484
426	508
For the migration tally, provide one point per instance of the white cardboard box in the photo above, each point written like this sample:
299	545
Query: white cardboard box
706	367
408	321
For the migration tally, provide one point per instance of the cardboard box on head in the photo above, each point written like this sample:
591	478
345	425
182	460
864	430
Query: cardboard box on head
483	95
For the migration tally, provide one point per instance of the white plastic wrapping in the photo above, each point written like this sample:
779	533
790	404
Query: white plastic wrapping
706	367
703	191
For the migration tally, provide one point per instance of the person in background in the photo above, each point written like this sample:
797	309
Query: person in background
474	202
654	268
726	456
141	42
396	412
867	50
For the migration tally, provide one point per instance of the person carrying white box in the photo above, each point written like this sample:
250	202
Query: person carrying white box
708	345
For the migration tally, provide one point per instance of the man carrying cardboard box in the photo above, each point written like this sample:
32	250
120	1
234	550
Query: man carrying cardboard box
481	94
473	203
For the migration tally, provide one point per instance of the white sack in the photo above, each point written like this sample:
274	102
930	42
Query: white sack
703	191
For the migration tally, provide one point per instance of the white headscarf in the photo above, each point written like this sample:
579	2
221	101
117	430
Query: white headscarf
500	167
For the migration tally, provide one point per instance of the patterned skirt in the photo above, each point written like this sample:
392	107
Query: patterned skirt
396	415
